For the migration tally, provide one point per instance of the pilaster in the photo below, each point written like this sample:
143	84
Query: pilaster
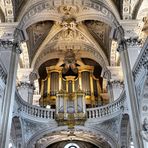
9	91
130	95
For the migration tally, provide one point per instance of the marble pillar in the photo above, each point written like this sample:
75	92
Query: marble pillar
131	97
9	95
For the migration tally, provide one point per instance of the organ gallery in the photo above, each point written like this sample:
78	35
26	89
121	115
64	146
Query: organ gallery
72	86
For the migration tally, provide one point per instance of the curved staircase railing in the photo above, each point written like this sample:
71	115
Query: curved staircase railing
99	113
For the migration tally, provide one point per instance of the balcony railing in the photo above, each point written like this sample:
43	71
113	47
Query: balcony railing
99	113
108	111
34	111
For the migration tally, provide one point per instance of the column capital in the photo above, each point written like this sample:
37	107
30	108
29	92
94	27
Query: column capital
122	45
26	84
134	41
8	45
17	47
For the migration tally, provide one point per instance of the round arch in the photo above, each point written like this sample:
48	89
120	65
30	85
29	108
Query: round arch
143	9
41	11
98	133
92	48
85	53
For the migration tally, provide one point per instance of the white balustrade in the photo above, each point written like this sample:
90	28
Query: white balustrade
34	111
92	113
107	110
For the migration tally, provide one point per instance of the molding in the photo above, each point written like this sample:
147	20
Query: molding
140	60
58	53
8	45
40	6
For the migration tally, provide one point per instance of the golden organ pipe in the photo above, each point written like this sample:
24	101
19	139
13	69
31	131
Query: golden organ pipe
48	88
80	80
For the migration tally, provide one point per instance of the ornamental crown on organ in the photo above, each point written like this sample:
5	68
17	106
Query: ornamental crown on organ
70	88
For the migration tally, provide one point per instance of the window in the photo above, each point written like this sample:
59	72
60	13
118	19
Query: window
71	145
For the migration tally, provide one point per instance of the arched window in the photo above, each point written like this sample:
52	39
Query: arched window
71	145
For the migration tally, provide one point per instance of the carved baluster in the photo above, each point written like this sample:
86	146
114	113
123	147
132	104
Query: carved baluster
51	115
34	111
48	114
88	114
96	113
104	111
38	112
42	113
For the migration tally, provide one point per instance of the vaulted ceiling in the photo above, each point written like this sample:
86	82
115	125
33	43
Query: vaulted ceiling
87	27
37	34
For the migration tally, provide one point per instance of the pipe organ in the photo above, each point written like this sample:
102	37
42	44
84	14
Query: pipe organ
70	93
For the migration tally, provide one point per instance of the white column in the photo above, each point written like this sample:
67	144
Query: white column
131	97
9	97
110	91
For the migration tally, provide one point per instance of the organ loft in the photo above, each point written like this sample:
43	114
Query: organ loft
73	73
71	86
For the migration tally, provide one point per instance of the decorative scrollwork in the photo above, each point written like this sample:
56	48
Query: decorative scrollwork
6	44
134	41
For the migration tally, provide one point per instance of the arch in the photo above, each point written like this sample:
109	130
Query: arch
125	131
38	11
87	52
41	10
93	45
143	9
101	134
136	9
71	144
